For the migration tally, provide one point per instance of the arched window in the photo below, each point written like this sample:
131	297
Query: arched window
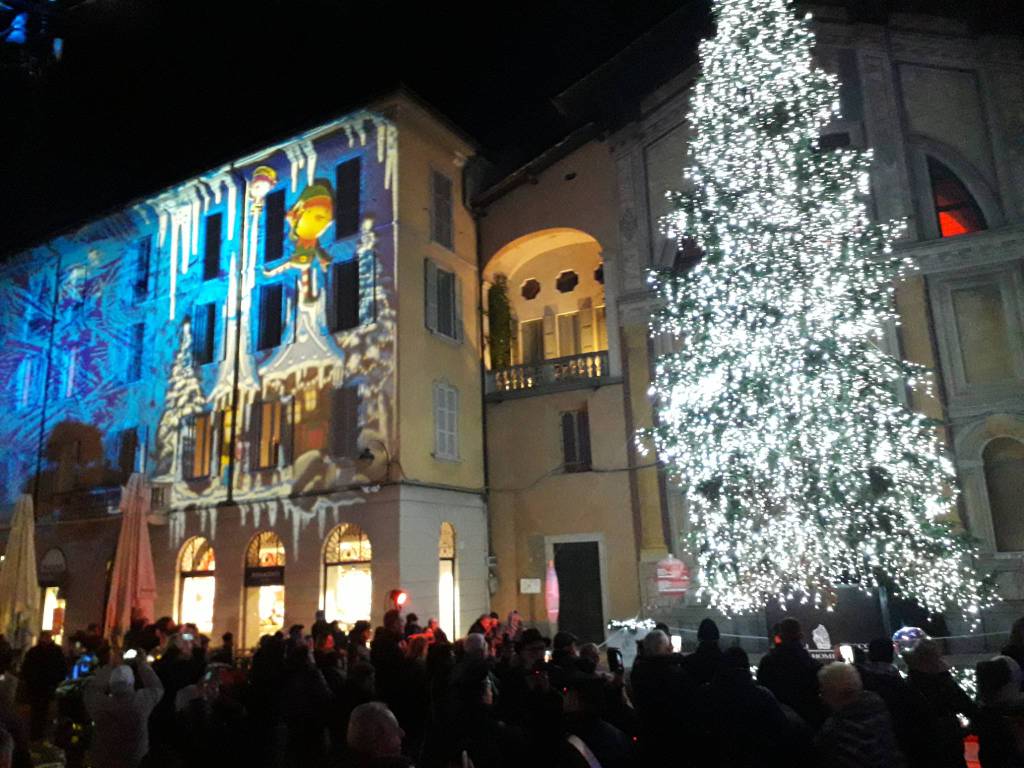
348	575
957	211
447	591
1004	479
196	583
264	587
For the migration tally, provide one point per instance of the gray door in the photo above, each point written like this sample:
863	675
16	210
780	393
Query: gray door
578	565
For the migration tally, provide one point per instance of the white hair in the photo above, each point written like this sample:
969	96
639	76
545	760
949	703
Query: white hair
840	683
368	726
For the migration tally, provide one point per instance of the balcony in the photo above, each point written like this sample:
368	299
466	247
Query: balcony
586	370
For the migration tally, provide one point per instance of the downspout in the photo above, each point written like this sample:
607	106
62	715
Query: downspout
238	278
46	378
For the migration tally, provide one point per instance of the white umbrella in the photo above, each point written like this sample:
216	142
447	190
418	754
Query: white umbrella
19	581
133	580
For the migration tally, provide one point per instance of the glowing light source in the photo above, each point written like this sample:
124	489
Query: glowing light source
778	415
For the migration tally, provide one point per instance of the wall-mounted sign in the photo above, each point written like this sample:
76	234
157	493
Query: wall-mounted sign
529	586
263	577
673	576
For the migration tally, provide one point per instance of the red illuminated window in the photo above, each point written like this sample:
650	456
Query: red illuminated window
957	211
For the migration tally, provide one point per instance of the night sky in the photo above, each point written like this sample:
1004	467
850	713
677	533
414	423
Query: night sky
151	92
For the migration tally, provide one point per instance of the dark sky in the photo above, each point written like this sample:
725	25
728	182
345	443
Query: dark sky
151	92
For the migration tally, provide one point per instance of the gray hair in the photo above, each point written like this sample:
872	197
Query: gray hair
368	726
656	642
475	645
840	683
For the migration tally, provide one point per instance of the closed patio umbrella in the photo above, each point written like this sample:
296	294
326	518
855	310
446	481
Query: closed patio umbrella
19	581
551	595
133	581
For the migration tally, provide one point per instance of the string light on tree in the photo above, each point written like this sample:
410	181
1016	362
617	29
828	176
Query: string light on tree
779	415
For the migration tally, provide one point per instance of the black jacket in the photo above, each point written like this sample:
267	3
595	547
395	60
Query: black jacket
859	736
791	674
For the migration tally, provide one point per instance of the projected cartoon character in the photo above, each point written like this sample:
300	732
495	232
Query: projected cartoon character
309	218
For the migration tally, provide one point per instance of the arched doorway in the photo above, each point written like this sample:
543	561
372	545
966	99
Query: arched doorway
196	583
53	568
447	593
348	576
264	587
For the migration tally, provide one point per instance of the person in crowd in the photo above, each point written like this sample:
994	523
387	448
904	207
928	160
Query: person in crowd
387	654
8	681
437	635
226	653
565	657
911	716
412	626
858	732
513	626
703	664
359	642
375	737
789	672
589	737
946	701
478	730
1000	718
307	700
1014	647
42	670
177	667
121	712
663	694
320	626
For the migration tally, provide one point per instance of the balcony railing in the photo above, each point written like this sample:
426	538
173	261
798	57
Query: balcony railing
589	368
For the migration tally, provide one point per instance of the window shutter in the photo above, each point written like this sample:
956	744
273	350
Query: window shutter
366	290
345	422
441	209
346	190
439	440
198	334
211	253
285	453
570	456
583	427
188	447
550	343
586	316
459	330
453	422
255	433
273	245
430	291
289	299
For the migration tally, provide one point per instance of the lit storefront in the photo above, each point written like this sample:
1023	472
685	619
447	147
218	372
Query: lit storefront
52	571
264	587
348	578
447	594
197	583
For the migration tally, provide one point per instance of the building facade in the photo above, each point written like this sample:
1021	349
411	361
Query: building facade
942	111
309	429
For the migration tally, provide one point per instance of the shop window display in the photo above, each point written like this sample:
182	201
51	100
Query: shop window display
348	577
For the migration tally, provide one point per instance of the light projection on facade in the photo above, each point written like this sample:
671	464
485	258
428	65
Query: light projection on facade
231	337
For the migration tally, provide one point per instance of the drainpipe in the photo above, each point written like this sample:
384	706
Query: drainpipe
46	377
238	278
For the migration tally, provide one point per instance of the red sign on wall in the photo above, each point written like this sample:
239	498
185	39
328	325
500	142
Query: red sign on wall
673	576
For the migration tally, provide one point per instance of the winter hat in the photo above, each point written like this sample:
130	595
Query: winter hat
708	631
122	678
998	681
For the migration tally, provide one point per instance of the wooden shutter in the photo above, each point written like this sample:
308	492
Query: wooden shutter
460	331
345	422
586	326
452	421
430	293
583	431
439	403
273	241
188	446
199	330
287	434
550	344
346	189
255	433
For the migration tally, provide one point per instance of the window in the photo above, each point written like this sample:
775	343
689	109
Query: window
441	209
567	281
127	450
446	422
569	334
443	301
204	325
576	441
532	339
447	594
134	372
264	587
345	422
271	316
343	309
957	211
1004	481
273	245
211	254
196	447
197	584
348	576
346	188
271	425
224	439
601	324
983	333
143	258
530	289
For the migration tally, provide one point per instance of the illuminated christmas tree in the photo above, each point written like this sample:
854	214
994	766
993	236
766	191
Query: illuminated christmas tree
779	415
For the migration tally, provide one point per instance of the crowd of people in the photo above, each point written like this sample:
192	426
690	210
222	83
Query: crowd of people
504	695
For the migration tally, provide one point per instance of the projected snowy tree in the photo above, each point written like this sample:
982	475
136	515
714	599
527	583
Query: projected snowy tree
184	398
779	415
